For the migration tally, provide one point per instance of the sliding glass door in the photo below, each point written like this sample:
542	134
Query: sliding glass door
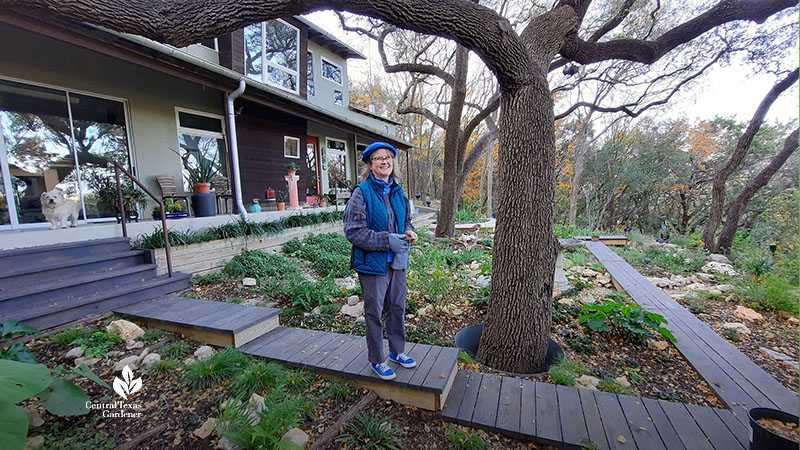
57	139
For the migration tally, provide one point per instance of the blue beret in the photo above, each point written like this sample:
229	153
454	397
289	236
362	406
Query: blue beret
377	146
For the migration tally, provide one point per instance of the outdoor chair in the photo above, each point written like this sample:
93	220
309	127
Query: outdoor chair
223	192
170	190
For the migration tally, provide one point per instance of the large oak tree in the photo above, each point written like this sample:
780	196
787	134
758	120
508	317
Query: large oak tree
518	320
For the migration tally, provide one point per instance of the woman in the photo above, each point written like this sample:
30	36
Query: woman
377	221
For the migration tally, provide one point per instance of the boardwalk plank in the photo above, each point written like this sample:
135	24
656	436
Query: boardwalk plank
643	430
548	425
269	349
573	424
485	415
440	371
267	339
720	436
418	352
739	431
614	422
665	430
527	417
467	407
508	408
347	350
687	429
314	360
424	367
453	402
594	423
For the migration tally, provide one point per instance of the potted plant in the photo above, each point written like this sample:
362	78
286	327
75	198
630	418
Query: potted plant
108	197
322	200
174	210
199	175
291	168
281	196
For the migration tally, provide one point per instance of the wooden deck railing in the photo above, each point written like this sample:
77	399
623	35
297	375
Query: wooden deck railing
117	169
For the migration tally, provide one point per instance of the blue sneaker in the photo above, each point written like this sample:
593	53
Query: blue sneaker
403	360
383	370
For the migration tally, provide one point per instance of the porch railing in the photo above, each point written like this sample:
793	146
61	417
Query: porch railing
117	168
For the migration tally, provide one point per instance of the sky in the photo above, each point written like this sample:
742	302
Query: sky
724	91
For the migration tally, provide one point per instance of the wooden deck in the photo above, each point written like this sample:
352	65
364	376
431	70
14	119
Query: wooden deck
739	382
570	417
620	239
207	321
425	386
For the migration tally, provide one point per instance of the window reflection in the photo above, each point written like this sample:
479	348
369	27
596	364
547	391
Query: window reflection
280	44
252	51
310	74
276	44
331	71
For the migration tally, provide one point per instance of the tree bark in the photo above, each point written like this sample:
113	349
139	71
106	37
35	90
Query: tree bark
738	206
580	160
742	147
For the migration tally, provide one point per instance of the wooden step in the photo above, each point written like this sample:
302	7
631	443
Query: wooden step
49	254
425	386
207	321
62	271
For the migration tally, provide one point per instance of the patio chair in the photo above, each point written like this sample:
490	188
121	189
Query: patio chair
170	190
223	192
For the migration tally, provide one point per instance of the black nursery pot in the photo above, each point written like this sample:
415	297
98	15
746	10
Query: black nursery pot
764	439
469	338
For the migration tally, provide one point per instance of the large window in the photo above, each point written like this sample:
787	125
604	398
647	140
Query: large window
200	135
337	164
271	53
58	139
338	98
331	71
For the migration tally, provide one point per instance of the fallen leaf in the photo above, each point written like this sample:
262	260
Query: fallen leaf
621	439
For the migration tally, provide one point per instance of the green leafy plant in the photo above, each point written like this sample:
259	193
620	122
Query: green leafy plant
481	298
165	365
259	264
281	413
99	342
461	440
292	166
258	378
608	384
466	358
732	334
624	320
12	329
584	344
69	336
281	196
338	391
758	264
213	371
370	432
152	335
174	349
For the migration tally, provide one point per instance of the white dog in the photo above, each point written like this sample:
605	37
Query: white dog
57	209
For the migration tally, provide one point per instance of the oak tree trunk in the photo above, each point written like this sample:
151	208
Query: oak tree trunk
738	206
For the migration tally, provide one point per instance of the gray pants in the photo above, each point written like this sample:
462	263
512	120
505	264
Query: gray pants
384	292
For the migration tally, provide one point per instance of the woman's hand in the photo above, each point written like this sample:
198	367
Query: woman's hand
411	237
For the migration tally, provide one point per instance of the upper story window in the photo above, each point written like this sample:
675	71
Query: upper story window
310	74
338	98
271	52
213	44
331	71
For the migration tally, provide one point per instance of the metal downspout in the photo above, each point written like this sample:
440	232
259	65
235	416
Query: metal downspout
237	182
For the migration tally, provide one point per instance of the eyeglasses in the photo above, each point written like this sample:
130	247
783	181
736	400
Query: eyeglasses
381	159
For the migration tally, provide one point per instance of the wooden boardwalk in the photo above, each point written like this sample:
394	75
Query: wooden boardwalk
570	417
342	355
738	381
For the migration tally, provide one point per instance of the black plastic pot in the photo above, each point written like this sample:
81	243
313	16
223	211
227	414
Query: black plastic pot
469	338
764	439
204	205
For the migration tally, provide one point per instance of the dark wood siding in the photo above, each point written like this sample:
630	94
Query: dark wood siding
237	51
260	132
225	51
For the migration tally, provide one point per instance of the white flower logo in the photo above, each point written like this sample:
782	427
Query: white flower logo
129	385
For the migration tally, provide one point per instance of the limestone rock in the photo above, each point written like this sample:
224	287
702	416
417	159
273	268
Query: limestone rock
206	428
361	319
776	355
587	381
720	268
142	355
589	273
424	310
697	287
660	282
352	300
483	281
657	345
189	361
738	326
745	313
128	331
316	310
566	301
257	402
345	283
150	359
34	442
73	353
87	360
249	281
226	444
704	276
296	436
457	312
34	419
134	345
793	320
719	258
678	280
356	310
724	288
130	361
114	354
409	316
203	353
622	381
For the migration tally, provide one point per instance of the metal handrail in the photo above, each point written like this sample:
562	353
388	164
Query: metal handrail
117	168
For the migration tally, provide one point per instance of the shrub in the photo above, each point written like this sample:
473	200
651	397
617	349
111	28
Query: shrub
260	264
220	367
624	320
770	294
281	413
371	432
258	378
732	334
338	391
565	371
98	343
470	211
331	264
438	285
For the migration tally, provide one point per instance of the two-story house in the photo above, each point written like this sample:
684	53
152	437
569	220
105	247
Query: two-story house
74	97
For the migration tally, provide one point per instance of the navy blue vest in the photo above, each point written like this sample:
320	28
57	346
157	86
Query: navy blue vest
374	263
